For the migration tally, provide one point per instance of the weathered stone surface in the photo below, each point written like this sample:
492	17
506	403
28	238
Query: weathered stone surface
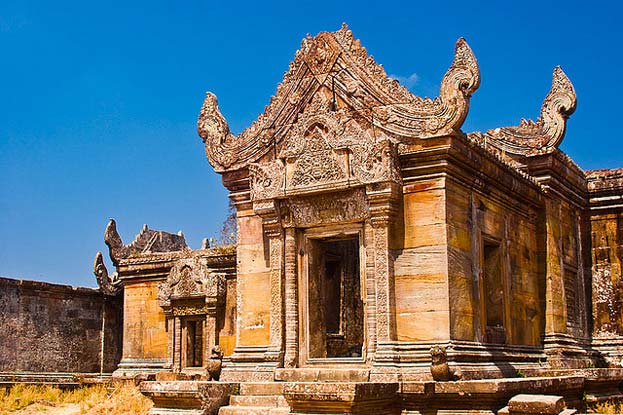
198	397
353	398
536	404
57	328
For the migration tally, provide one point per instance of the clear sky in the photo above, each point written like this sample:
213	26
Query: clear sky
100	100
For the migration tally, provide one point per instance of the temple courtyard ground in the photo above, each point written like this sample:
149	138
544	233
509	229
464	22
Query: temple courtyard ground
91	400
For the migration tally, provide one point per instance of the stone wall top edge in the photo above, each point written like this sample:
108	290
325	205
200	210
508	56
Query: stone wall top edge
605	180
214	254
48	286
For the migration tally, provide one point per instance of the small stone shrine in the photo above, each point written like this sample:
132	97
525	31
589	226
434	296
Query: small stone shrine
372	229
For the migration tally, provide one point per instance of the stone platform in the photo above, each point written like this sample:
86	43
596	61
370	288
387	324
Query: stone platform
487	396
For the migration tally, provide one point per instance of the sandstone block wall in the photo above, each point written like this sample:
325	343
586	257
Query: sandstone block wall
57	328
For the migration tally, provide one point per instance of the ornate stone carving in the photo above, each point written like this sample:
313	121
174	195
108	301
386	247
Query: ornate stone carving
110	285
425	117
214	363
439	367
542	136
348	206
189	279
326	147
147	241
317	163
335	65
267	179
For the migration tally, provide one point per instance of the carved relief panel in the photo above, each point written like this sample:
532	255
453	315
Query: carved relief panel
190	298
325	149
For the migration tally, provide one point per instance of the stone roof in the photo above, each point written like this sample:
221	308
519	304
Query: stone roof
147	241
605	180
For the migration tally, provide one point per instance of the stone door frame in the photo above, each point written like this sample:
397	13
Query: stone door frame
302	240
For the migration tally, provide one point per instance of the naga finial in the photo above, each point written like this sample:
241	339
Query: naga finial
115	245
558	105
544	135
464	73
108	284
214	131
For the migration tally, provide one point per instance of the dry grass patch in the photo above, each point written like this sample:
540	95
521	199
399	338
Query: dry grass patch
91	400
607	407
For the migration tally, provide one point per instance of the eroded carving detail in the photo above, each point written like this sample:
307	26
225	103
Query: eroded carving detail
190	278
542	136
110	285
317	163
342	69
349	206
326	147
147	241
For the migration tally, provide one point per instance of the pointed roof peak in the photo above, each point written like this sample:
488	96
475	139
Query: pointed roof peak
337	64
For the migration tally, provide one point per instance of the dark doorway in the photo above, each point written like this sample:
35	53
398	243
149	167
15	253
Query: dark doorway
193	342
335	306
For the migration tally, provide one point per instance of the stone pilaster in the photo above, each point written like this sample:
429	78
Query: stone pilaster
383	208
291	303
274	235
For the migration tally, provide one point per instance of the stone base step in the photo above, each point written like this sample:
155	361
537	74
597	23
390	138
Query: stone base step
271	401
252	410
261	388
331	375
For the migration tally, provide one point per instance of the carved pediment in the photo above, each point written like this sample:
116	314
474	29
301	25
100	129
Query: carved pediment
542	136
325	150
336	66
191	279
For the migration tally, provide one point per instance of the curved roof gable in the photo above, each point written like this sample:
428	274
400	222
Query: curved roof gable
336	65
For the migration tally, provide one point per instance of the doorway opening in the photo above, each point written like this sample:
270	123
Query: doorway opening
193	342
495	331
335	306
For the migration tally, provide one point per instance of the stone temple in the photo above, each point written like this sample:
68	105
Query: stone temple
387	261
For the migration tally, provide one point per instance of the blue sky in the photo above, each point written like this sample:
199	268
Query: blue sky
100	100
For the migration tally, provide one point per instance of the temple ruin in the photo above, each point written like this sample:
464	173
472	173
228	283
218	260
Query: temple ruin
372	232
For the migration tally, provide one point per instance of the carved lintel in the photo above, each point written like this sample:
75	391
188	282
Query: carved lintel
542	136
349	206
110	285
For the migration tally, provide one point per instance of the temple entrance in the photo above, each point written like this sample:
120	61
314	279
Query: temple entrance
192	345
335	312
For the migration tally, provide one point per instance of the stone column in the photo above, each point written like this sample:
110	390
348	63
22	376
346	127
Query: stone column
274	235
170	322
177	344
275	244
370	291
209	332
291	300
383	199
